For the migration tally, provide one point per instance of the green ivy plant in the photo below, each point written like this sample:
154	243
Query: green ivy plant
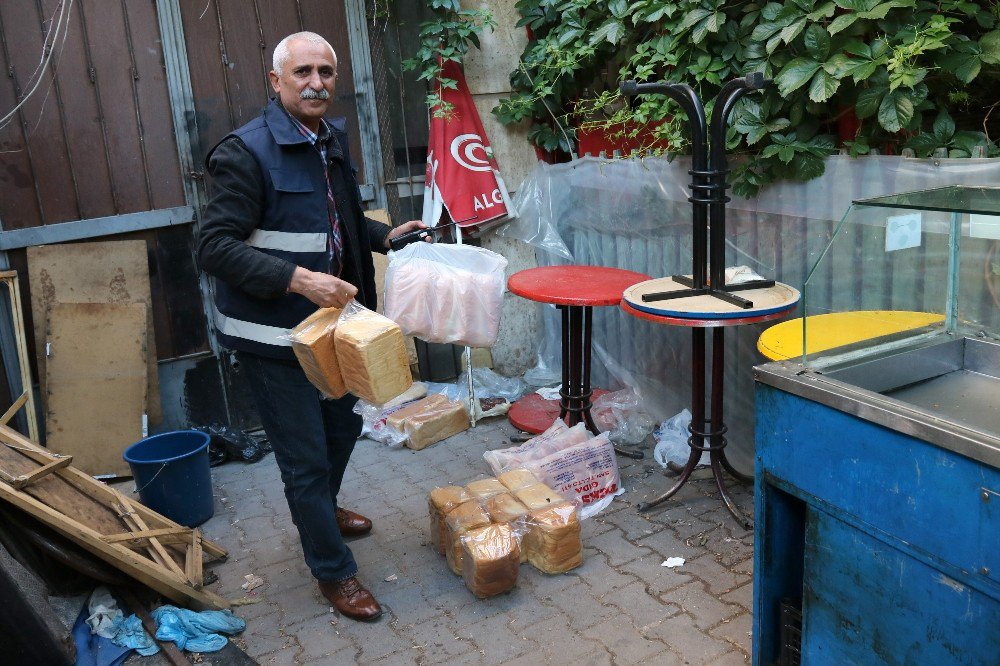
446	37
908	73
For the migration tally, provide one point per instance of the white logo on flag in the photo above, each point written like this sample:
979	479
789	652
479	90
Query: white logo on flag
462	149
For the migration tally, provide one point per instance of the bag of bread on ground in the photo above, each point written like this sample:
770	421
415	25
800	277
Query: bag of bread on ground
313	344
371	354
552	543
491	557
586	472
505	509
461	519
440	502
430	420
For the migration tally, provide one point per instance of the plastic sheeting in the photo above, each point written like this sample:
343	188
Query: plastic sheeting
634	214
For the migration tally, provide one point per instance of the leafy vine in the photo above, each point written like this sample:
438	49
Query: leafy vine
855	75
446	37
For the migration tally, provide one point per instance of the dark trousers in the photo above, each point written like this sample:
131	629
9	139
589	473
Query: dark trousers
312	440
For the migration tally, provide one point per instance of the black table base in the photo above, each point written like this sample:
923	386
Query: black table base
712	438
575	392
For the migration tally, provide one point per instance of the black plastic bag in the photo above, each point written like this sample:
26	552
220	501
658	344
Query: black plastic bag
226	445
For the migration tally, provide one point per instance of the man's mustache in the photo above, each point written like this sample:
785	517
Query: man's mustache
309	93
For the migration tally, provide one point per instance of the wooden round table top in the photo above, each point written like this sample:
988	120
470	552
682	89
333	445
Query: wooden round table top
766	301
574	285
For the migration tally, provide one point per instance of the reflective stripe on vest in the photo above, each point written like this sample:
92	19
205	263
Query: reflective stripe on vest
288	241
236	328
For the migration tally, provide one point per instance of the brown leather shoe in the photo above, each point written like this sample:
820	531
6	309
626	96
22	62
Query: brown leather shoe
352	524
351	599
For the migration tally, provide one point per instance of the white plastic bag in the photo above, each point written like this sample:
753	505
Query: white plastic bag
587	472
375	427
446	293
672	441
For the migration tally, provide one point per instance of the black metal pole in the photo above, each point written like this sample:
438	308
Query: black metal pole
730	93
688	100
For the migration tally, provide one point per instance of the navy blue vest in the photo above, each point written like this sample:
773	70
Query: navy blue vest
294	225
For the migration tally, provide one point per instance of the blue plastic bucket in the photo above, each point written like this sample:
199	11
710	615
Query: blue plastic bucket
172	474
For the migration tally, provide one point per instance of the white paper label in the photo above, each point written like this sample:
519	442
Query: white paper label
984	226
145	426
902	231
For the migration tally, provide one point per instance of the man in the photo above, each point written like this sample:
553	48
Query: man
284	233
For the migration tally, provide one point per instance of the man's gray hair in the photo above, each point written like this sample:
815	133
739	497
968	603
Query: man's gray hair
281	53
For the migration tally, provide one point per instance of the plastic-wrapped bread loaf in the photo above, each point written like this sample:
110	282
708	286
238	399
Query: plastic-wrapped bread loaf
430	420
461	519
553	543
440	502
515	479
372	355
313	344
504	508
485	488
538	496
491	557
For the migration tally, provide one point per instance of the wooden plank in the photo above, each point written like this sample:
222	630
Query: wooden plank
83	121
248	90
48	150
96	382
153	102
156	549
164	534
100	272
113	78
41	472
18	404
168	584
193	563
208	84
21	342
71	482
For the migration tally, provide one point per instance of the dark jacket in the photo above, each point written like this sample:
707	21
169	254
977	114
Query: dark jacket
267	215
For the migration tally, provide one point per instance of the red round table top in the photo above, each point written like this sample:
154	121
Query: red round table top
574	285
704	323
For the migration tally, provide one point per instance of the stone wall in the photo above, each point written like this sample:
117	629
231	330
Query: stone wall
487	72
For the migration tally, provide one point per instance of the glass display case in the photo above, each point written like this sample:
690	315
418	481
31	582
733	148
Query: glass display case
878	450
903	301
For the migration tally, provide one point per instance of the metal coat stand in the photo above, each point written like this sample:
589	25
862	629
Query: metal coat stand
708	200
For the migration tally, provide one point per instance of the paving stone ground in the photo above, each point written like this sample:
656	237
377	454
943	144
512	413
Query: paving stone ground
620	607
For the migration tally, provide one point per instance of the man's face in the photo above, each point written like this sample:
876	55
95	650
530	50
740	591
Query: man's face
309	75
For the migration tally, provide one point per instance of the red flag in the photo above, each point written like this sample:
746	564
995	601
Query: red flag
462	176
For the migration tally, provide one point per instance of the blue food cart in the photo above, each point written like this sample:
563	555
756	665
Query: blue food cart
877	486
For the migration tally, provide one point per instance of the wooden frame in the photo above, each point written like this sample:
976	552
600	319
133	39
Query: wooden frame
9	279
152	549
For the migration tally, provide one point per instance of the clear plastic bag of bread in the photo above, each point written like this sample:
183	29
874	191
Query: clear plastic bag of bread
372	354
491	557
314	347
465	517
484	487
553	544
586	472
446	293
440	502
